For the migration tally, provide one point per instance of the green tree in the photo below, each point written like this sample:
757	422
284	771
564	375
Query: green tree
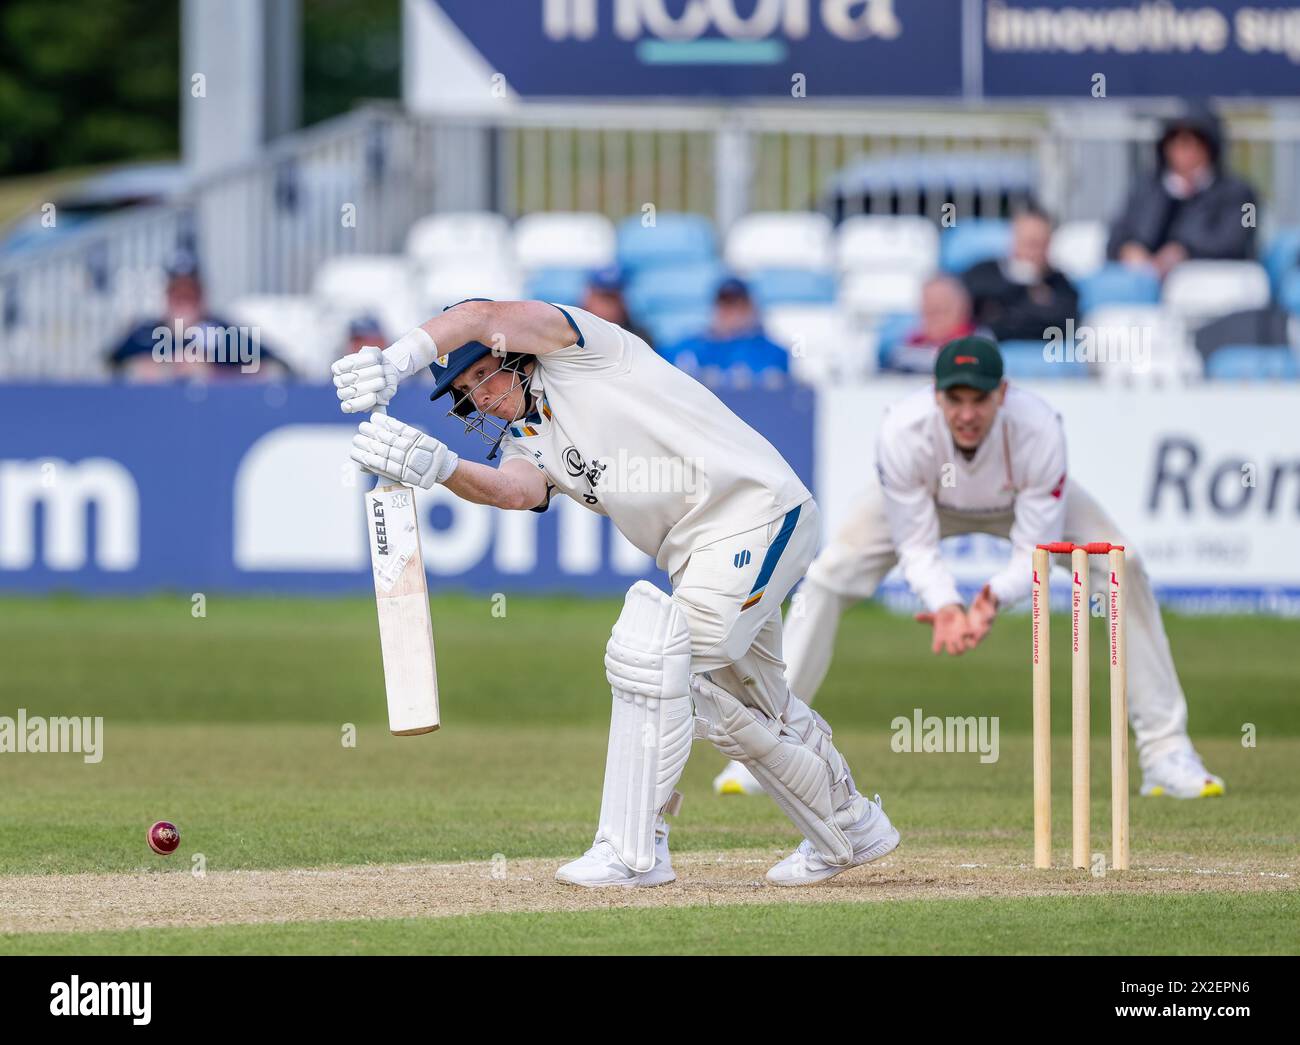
352	51
87	81
94	81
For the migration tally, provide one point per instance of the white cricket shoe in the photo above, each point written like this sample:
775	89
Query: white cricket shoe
600	867
1181	774
736	779
873	837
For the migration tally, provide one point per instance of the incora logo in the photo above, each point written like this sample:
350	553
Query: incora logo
849	20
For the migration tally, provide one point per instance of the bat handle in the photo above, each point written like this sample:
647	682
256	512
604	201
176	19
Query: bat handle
380	408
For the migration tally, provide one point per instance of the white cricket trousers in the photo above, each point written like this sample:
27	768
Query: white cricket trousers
732	590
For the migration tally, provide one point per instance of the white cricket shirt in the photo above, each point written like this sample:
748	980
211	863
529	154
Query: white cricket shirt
1019	470
628	435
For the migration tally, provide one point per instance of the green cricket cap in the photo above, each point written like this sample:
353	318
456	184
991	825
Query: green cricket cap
969	362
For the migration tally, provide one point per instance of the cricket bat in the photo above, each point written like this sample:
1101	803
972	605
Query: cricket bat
402	601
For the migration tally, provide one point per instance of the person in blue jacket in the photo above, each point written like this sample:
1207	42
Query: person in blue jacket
735	345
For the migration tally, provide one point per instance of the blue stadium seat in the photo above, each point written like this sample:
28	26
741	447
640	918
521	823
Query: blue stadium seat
791	287
1118	285
892	329
1282	256
969	242
668	328
1288	292
565	285
1024	360
673	288
1253	363
674	238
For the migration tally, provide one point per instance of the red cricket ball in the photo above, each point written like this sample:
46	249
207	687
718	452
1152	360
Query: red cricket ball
164	837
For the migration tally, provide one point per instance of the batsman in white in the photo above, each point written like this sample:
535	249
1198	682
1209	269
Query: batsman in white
973	454
579	406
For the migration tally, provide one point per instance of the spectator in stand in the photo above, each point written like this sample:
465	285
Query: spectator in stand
365	329
604	298
188	342
1190	207
945	316
735	345
1018	297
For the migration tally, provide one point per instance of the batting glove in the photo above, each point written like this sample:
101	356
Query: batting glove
364	380
396	451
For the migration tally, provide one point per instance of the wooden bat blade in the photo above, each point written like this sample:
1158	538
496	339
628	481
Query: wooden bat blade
402	602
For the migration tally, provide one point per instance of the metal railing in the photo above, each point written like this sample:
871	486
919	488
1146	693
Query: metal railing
351	185
356	184
725	162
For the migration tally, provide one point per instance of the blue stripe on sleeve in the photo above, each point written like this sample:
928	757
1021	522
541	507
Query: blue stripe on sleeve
581	342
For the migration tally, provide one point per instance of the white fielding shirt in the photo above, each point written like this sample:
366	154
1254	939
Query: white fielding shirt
626	434
1019	469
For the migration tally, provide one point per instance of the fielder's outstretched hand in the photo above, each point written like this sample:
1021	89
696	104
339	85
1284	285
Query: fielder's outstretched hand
398	452
951	630
981	615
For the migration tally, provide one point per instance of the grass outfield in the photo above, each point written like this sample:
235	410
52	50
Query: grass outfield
232	726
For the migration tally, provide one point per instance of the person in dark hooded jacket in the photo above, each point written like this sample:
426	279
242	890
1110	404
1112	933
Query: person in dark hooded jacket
1190	207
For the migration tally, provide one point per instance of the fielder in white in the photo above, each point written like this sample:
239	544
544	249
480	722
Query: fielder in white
578	406
972	454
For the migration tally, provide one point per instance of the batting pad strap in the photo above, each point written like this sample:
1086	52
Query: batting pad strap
651	724
802	771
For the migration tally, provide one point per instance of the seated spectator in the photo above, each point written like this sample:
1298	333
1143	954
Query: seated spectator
945	316
604	298
1018	297
1190	207
735	345
365	330
188	342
